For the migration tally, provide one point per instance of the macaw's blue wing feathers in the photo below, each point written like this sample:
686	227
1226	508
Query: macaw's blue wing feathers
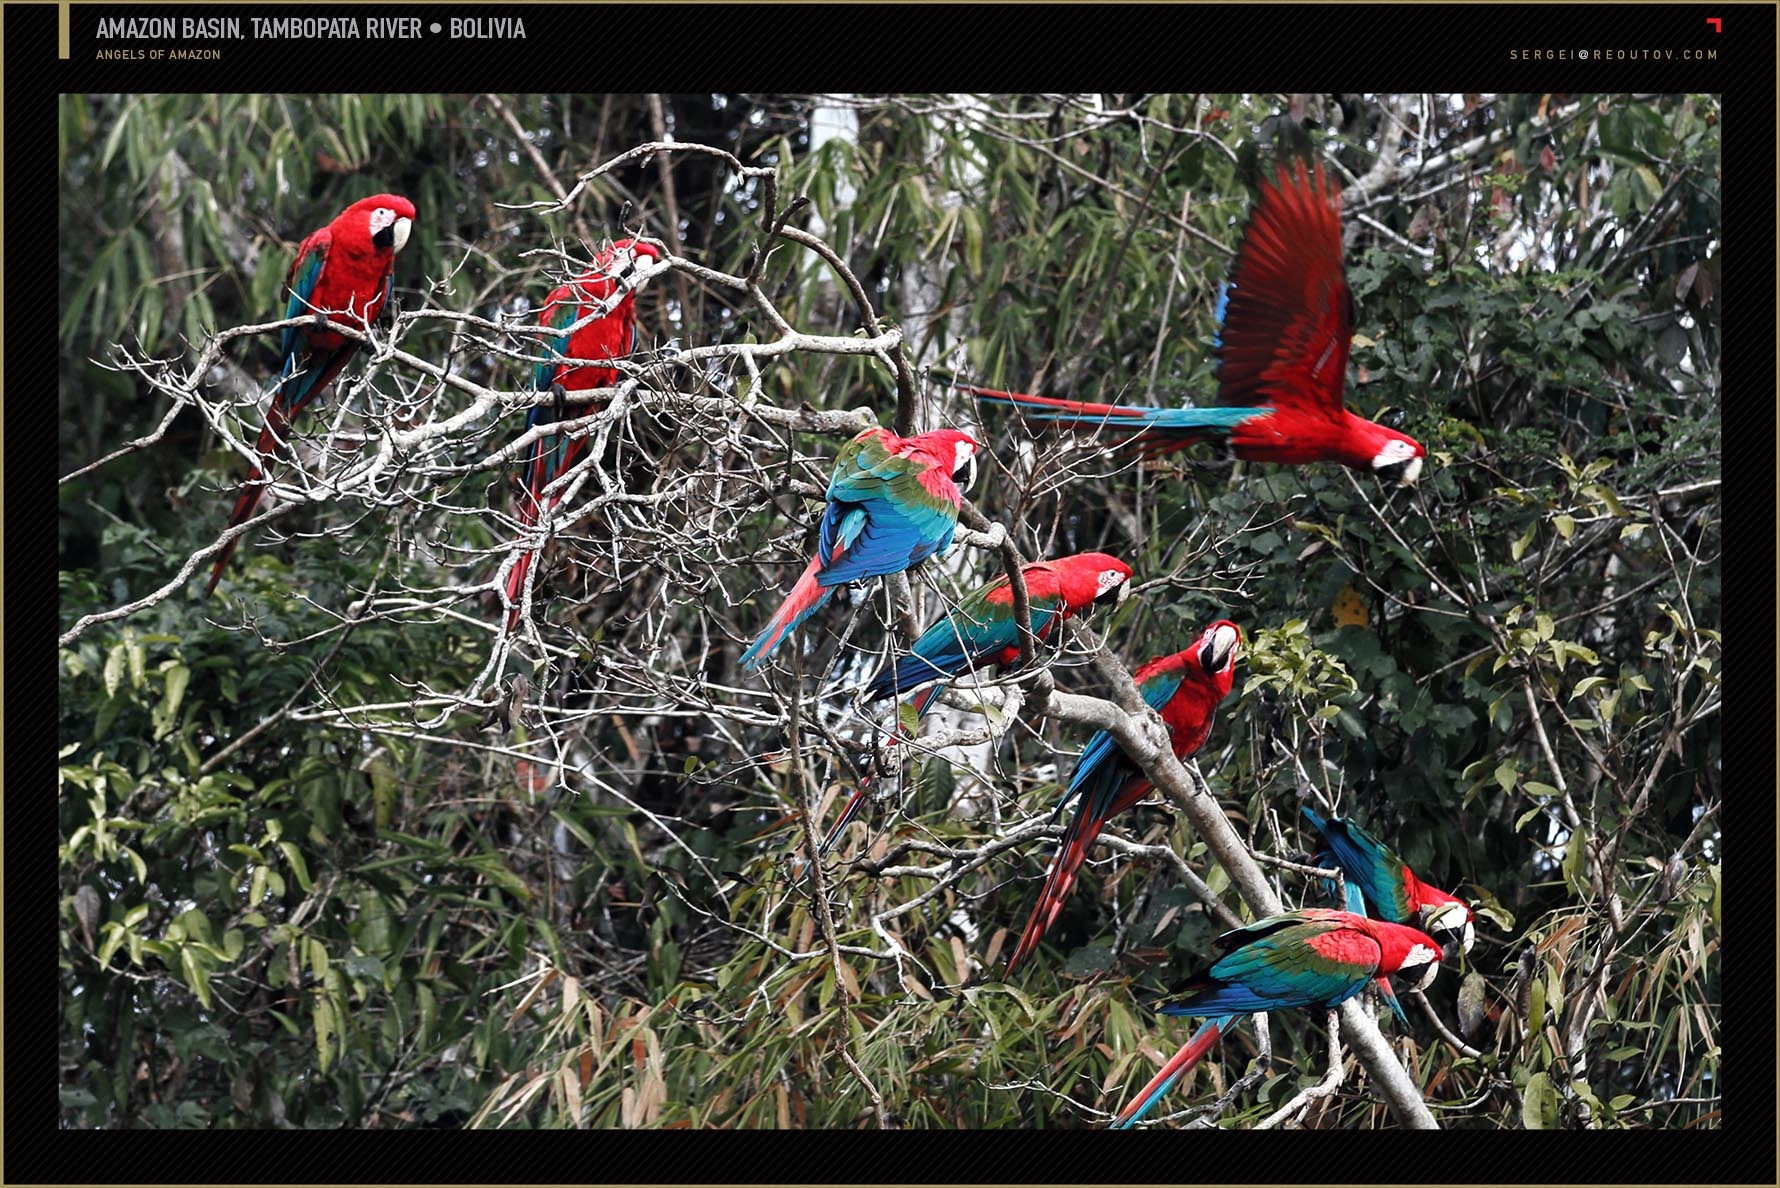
1368	864
559	317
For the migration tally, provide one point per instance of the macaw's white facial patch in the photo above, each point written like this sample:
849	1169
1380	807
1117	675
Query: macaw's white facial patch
963	452
382	217
1420	967
1109	579
1394	452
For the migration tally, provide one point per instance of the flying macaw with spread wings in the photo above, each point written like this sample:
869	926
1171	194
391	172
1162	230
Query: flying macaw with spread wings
891	502
1310	958
1185	688
1286	323
342	272
595	321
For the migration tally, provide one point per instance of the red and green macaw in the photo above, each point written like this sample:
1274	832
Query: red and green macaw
594	318
1286	322
1185	688
980	633
343	271
1309	958
1388	887
891	502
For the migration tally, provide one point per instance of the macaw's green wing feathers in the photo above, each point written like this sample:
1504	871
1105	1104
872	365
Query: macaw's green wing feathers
1303	963
559	317
304	275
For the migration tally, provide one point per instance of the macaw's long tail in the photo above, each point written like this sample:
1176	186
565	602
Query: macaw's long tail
1151	430
1179	1066
277	429
525	511
1059	881
803	601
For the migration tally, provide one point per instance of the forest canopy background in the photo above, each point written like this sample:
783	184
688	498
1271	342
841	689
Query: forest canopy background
318	864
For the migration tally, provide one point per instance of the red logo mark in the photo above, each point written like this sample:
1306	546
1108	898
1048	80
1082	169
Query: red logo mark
1717	24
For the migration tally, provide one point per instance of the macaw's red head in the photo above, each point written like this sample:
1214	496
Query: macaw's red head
1215	651
381	223
1097	578
1409	953
626	264
1396	457
954	450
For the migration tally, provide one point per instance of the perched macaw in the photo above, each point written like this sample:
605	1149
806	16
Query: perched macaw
1185	688
1388	887
1310	958
343	271
606	310
1286	321
980	633
892	502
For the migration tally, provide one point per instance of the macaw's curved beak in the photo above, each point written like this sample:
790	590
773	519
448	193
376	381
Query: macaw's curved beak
969	471
1403	474
394	236
1114	596
1450	924
1216	652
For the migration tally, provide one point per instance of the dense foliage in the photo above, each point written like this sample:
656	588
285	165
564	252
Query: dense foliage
312	874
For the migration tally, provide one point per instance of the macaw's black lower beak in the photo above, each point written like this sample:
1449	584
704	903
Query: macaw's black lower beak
969	471
385	238
1402	474
1113	596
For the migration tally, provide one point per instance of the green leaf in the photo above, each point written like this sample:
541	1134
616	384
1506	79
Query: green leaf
191	964
114	669
325	1031
298	866
1587	684
1519	547
1565	525
1539	1103
1471	1003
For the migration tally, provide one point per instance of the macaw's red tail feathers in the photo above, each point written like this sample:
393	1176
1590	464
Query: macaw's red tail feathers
1174	1070
516	586
846	819
1059	881
1075	414
276	430
804	599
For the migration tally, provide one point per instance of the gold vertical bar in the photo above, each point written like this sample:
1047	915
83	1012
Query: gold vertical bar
62	35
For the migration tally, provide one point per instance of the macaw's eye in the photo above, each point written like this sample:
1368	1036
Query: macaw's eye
1110	588
1398	462
388	229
